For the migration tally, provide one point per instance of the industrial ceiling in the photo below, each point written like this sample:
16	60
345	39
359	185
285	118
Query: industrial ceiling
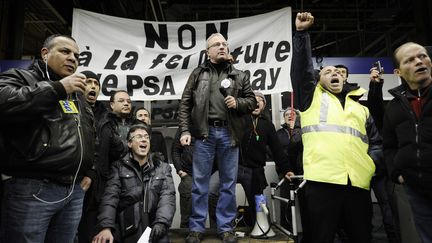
342	27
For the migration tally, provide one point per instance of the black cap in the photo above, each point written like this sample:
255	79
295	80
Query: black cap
90	74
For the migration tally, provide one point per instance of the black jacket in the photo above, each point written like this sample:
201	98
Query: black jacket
254	149
124	190
42	141
408	140
182	155
194	104
158	144
109	148
291	143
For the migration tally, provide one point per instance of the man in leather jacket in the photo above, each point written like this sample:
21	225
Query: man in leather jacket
139	194
213	101
49	132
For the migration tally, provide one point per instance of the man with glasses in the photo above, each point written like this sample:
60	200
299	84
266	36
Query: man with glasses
214	100
111	145
139	194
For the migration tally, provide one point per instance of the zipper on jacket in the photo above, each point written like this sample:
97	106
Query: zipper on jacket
417	144
145	197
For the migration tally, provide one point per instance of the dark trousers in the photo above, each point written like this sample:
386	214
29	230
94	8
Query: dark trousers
185	191
382	188
331	205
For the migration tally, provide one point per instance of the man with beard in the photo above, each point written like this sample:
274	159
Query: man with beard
91	94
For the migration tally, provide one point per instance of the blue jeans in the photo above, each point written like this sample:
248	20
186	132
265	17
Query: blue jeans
245	178
26	219
217	144
422	213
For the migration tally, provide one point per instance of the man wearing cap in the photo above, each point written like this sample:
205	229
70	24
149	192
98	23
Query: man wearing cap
91	94
259	132
88	218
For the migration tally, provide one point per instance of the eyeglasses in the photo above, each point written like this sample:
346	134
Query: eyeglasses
217	44
140	137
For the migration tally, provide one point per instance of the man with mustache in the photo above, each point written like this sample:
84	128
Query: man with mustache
91	94
50	140
407	133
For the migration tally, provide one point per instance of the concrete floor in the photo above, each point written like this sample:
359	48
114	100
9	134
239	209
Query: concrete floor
210	236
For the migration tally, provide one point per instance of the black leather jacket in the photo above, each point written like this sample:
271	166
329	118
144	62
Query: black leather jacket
42	141
194	104
125	189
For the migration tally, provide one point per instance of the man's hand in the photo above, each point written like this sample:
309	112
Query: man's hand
185	139
157	232
303	21
182	173
74	83
375	75
230	102
85	183
104	236
289	174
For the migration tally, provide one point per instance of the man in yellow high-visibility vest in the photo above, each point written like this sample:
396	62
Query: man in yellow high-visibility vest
340	142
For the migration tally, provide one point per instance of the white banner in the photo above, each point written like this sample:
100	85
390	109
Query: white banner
153	60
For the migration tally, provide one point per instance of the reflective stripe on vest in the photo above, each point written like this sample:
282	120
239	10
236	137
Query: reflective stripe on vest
324	127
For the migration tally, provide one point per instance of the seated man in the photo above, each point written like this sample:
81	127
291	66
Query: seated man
139	194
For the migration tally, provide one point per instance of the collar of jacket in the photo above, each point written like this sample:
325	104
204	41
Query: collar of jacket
404	90
355	92
39	66
129	119
129	161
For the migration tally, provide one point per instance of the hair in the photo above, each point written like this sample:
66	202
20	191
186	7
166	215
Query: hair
344	67
113	94
211	37
141	108
296	111
140	126
396	62
49	41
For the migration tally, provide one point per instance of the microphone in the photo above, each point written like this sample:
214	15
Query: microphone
225	84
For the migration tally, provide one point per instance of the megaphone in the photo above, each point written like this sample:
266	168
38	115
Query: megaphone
262	228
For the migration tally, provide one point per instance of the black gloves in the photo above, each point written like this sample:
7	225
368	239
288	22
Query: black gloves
157	232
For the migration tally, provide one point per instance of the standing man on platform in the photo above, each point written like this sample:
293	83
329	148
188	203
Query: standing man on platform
214	117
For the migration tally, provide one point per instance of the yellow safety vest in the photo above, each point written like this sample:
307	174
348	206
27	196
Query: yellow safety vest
335	140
